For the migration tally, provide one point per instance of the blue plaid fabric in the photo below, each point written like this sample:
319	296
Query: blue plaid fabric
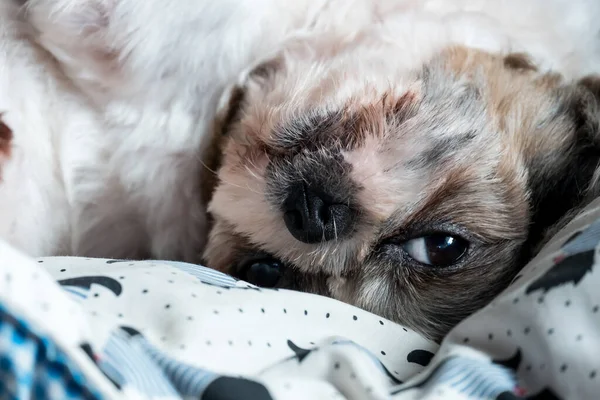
32	366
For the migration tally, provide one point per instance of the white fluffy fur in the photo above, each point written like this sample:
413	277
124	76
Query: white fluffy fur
107	144
107	148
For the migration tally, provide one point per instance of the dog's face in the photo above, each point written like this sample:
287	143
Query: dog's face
411	192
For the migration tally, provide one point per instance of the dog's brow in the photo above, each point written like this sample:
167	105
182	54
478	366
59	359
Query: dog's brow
318	122
440	150
435	206
389	227
333	129
304	130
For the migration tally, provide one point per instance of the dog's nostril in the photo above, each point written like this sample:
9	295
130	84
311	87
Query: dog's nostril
312	217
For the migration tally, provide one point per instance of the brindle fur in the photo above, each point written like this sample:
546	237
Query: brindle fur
482	145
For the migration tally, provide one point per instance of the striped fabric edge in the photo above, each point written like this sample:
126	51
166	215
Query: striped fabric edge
204	274
187	379
125	361
476	379
586	239
473	378
76	293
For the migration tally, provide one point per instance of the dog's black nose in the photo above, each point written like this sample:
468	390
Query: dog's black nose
313	217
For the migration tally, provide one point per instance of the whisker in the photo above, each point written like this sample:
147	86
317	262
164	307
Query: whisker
254	175
212	171
335	234
247	187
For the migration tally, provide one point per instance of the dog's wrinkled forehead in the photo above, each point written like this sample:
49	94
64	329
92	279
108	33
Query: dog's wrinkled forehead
434	109
404	139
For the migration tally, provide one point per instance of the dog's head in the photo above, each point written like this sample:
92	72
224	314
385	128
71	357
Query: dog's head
416	194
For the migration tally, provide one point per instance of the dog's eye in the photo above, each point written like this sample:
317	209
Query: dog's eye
264	272
438	249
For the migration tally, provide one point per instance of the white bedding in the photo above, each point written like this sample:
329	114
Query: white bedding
114	329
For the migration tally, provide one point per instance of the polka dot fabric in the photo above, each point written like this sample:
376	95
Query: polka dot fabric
209	320
545	328
167	330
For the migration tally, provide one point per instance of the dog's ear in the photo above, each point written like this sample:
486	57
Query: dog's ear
230	110
592	84
520	62
257	79
563	180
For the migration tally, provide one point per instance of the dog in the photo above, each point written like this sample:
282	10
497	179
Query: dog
393	154
107	118
409	157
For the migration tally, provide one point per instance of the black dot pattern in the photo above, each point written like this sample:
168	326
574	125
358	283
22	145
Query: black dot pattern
191	305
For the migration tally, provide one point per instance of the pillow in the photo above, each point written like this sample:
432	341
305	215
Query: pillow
78	327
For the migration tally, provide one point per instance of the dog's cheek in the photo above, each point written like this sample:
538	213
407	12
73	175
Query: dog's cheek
342	289
222	247
371	286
